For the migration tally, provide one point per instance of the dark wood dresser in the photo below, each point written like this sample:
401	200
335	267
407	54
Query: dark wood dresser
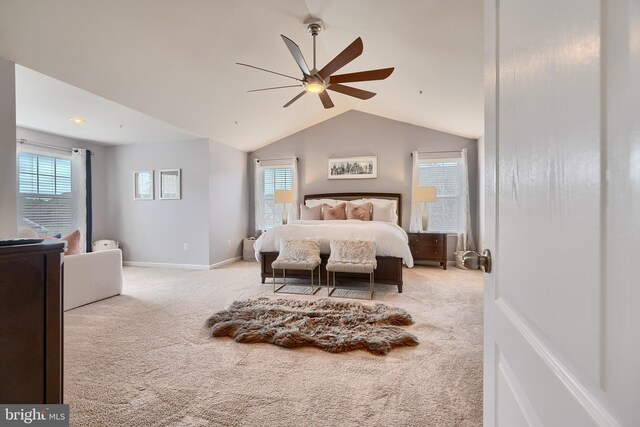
31	323
429	247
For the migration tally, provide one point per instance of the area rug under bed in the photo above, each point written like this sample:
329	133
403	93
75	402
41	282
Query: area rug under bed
330	325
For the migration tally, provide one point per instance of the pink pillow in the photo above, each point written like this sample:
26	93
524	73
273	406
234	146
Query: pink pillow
361	212
334	213
74	242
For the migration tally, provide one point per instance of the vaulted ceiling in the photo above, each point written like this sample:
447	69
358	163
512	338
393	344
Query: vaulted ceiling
174	60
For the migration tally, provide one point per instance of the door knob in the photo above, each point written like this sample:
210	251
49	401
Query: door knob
475	261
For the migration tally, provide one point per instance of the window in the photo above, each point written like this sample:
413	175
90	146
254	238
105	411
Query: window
446	175
272	175
44	193
275	179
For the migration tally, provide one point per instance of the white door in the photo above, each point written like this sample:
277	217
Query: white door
562	303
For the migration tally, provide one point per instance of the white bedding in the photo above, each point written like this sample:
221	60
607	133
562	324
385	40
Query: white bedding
391	240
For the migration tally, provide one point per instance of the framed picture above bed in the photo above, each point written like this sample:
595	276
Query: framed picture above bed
353	167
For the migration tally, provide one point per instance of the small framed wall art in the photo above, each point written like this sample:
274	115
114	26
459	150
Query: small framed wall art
170	184
353	167
143	185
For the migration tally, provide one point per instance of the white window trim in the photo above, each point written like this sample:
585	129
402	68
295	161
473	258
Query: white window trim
259	200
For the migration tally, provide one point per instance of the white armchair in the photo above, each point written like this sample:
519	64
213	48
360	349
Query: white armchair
88	277
91	277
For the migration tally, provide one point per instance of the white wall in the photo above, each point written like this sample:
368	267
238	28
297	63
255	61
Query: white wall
228	202
211	217
8	198
155	231
99	172
357	133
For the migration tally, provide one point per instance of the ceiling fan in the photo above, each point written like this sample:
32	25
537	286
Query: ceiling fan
317	81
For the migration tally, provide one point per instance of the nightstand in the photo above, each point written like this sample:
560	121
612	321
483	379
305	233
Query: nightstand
429	247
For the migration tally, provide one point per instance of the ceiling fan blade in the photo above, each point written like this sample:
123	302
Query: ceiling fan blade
295	98
351	91
362	76
268	71
297	54
326	99
350	53
271	88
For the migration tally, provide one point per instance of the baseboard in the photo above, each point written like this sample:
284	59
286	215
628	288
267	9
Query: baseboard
225	262
181	266
166	265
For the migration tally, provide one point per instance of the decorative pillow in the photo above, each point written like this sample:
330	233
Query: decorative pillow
353	251
312	203
361	212
74	242
384	213
382	203
299	249
26	232
334	213
307	213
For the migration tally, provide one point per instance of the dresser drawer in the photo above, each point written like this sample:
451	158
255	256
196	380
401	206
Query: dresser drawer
432	240
426	252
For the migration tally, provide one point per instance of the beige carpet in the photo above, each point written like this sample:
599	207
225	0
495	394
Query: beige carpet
145	359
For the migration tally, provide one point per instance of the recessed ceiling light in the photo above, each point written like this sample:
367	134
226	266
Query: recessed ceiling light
77	120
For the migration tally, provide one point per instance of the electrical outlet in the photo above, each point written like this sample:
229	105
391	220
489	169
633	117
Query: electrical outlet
186	246
228	243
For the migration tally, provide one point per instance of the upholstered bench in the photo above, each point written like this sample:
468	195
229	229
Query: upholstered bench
297	254
351	256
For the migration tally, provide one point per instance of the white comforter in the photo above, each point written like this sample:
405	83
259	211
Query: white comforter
391	240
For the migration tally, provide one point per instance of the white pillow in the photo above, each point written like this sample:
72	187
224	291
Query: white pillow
384	213
25	232
381	206
312	203
307	213
299	249
353	251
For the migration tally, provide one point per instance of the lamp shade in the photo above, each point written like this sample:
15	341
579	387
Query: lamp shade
283	196
425	194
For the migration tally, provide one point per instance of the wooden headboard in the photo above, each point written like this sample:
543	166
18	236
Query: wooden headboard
353	196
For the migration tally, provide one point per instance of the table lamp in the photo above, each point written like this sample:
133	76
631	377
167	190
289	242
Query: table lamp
284	197
425	195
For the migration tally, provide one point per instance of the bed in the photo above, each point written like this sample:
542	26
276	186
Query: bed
391	240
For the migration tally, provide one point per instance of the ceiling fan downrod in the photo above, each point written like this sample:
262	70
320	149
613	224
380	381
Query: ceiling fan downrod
314	29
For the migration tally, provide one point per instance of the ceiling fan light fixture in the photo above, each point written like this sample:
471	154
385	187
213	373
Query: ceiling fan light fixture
314	87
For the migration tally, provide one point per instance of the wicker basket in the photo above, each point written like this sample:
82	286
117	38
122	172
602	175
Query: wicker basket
104	245
248	253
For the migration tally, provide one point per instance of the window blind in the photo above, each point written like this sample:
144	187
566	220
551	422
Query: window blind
275	178
44	193
446	175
